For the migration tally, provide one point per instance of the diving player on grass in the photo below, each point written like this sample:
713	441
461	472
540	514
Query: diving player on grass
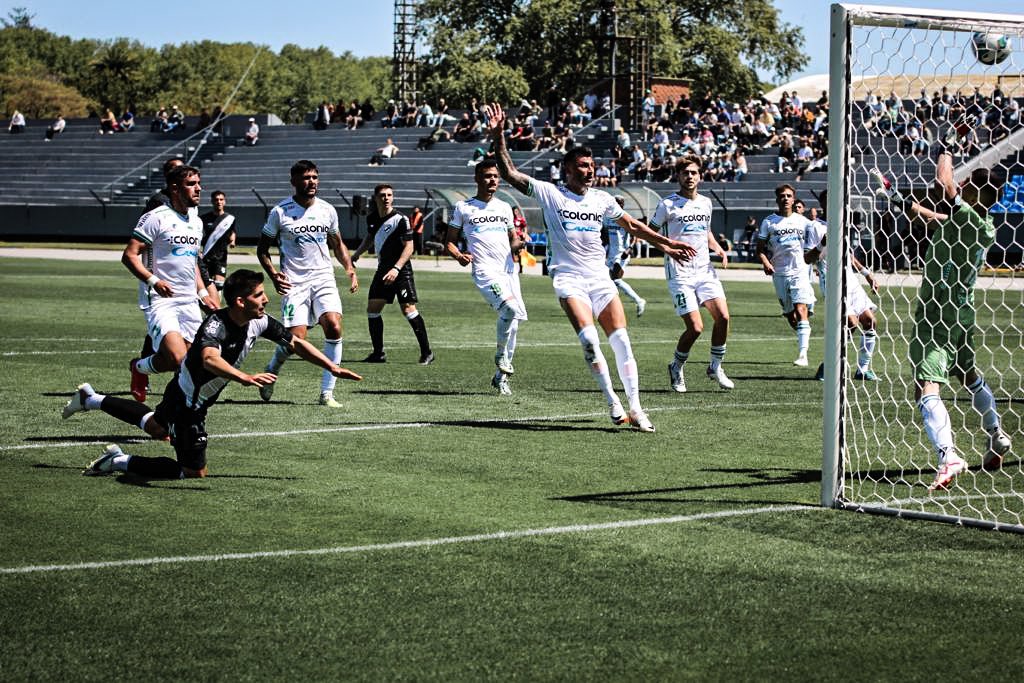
784	234
221	344
686	216
487	224
944	321
573	215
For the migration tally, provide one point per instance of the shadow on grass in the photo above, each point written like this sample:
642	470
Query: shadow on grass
421	392
68	394
573	426
254	402
88	438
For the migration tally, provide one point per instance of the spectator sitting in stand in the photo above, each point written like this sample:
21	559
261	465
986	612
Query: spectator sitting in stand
603	176
439	134
252	133
390	119
441	115
17	124
381	156
323	117
424	115
108	122
55	128
466	130
353	115
175	120
366	111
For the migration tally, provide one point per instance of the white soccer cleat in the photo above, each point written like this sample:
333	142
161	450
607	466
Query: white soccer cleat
267	390
504	364
675	377
719	376
998	446
617	413
500	382
641	306
103	464
639	421
949	467
801	360
77	402
326	399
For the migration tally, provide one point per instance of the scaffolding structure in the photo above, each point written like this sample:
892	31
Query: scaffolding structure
403	67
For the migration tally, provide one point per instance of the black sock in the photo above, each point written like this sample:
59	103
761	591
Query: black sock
154	468
147	348
376	333
419	328
125	410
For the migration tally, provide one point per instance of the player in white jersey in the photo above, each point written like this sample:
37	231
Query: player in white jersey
618	251
573	215
163	253
486	222
305	230
686	216
859	308
783	235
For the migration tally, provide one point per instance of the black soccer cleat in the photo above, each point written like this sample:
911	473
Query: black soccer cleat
427	358
376	358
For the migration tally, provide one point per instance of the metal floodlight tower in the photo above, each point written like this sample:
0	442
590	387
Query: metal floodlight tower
403	66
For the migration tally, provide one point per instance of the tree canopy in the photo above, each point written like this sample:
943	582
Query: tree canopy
720	45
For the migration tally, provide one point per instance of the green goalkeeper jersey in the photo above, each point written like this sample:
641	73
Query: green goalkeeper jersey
951	265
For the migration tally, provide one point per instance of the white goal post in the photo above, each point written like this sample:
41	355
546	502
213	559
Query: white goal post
905	85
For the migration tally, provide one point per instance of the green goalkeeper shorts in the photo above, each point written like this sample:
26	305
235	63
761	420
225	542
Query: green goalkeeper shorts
938	350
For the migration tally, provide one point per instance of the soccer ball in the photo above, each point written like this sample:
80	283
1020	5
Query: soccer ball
990	48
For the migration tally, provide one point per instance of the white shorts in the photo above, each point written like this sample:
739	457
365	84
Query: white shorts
620	259
857	300
598	291
502	289
172	315
303	304
689	295
792	290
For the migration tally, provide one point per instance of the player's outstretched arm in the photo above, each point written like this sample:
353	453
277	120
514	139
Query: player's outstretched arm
280	280
680	251
716	248
452	249
337	245
766	264
496	130
215	363
308	352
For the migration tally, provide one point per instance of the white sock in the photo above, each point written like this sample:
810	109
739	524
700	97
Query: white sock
717	355
277	360
93	401
513	337
120	462
627	290
332	349
803	336
145	365
626	364
145	419
868	338
936	423
985	403
595	359
504	329
681	357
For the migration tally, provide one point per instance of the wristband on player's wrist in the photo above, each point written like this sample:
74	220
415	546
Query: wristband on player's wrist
152	280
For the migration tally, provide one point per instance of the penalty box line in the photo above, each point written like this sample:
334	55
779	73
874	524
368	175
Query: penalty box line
400	425
399	545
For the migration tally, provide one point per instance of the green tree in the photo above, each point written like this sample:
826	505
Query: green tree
41	98
117	73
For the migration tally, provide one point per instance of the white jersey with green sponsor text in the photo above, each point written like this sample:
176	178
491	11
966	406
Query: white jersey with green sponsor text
686	220
302	238
573	225
173	242
485	226
786	237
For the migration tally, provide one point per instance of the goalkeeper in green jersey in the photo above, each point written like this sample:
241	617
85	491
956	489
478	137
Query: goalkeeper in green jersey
943	340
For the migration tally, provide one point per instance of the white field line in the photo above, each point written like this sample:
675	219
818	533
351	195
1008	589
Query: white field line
399	545
407	425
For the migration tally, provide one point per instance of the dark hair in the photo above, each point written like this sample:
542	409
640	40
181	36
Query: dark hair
688	159
178	174
218	193
170	165
240	284
300	167
785	186
577	153
989	183
382	186
484	165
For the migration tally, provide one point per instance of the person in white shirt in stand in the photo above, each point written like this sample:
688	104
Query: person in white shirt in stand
573	214
252	133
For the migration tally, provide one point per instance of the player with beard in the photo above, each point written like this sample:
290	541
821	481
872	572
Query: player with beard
573	216
305	229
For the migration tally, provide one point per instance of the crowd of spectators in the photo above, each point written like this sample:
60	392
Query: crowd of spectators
962	124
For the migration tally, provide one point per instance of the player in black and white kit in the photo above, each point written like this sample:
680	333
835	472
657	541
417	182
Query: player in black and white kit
487	224
573	216
221	344
392	238
163	254
305	230
686	216
218	237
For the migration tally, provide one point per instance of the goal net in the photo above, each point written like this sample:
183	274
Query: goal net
912	90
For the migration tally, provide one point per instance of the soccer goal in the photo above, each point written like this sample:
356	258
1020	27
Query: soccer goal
908	87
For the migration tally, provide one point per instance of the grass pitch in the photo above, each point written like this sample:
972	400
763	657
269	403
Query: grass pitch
465	535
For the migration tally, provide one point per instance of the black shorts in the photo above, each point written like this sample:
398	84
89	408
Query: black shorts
216	266
186	426
403	288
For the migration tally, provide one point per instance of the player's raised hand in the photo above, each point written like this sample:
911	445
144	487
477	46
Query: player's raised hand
495	124
281	283
345	373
